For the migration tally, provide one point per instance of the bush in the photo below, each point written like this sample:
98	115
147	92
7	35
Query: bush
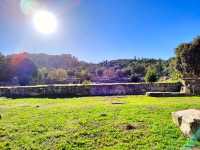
151	75
135	78
85	82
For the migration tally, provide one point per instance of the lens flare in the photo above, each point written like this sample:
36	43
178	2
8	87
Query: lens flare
45	21
28	6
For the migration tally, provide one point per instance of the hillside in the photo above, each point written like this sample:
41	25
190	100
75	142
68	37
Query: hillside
65	68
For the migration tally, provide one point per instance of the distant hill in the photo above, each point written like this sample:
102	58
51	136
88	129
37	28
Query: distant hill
64	61
67	61
53	68
54	61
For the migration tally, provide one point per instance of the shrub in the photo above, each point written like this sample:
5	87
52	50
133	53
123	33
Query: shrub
151	75
135	78
85	82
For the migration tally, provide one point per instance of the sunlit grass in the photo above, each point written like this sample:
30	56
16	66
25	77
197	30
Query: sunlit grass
92	123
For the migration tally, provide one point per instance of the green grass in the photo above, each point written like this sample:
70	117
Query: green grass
92	123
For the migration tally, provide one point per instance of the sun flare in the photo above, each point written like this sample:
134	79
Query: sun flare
45	22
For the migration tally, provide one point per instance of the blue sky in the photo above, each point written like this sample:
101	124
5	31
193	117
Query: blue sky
96	30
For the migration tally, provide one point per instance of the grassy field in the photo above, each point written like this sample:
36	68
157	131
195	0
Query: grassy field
92	123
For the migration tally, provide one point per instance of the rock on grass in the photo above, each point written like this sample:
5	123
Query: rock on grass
188	121
117	103
130	127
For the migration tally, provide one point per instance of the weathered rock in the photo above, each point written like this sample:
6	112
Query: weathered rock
188	121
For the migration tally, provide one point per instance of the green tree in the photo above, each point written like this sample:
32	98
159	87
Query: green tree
159	68
3	68
83	75
173	73
57	74
188	58
99	72
134	78
151	75
138	69
42	74
22	68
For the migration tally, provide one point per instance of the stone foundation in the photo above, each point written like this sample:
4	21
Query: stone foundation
164	94
88	90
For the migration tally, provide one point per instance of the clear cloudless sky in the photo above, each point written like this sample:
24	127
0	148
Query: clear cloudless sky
96	30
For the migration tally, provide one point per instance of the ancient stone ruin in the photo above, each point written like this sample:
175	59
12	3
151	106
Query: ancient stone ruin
88	90
191	86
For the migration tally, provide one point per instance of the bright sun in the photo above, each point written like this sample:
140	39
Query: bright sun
45	22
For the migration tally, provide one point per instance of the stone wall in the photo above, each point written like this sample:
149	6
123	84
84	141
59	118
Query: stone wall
191	86
88	90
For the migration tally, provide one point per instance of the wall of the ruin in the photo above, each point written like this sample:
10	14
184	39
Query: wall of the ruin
88	90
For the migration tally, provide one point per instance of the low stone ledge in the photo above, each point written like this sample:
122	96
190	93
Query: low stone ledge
164	94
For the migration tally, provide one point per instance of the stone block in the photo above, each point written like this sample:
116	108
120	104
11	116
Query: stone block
188	121
164	94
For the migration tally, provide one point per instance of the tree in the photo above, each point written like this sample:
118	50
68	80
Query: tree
151	75
3	68
119	73
70	73
42	74
22	68
173	73
84	75
109	73
188	58
57	74
127	71
138	69
135	78
99	72
159	68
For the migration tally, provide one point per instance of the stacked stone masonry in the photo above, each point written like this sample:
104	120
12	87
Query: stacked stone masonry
88	90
